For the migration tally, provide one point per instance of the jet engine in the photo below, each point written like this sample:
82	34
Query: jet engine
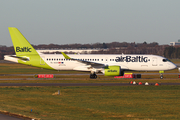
112	71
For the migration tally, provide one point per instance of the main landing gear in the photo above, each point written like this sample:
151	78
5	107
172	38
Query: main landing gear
93	76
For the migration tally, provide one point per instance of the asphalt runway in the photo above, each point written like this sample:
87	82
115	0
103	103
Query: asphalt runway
87	74
6	117
70	84
78	84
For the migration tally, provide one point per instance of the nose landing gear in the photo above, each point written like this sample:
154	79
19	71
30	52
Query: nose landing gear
161	76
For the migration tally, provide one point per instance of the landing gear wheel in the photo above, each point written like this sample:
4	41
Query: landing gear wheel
93	76
161	76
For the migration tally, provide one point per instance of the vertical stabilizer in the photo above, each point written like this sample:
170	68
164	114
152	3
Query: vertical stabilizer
25	53
21	45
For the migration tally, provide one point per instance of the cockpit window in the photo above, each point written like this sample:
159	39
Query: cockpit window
165	60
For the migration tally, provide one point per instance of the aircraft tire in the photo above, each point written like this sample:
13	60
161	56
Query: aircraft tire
93	76
161	77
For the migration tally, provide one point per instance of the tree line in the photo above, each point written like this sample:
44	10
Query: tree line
172	52
109	48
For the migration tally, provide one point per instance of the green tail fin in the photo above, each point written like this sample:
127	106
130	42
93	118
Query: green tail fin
21	45
25	53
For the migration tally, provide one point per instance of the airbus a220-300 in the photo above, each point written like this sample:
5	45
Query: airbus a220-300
109	65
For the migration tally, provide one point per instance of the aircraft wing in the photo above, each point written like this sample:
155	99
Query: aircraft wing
82	61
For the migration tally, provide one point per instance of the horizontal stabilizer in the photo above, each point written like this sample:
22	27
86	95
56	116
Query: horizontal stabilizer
21	58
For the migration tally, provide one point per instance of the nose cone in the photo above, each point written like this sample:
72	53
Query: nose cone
172	66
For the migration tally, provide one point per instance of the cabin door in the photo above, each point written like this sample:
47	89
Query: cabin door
154	61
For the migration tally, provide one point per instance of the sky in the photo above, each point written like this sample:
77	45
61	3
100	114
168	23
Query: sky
91	21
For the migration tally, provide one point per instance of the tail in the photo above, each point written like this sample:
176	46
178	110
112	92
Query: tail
21	45
25	53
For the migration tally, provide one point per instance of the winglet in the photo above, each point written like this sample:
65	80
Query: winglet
65	56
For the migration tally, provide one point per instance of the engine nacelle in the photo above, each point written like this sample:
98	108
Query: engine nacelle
112	70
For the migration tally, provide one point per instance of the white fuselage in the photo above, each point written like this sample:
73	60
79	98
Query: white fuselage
126	62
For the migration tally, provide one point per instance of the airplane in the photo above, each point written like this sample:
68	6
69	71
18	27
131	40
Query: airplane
109	64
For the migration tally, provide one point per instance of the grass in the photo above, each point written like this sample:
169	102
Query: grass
127	102
79	80
77	103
